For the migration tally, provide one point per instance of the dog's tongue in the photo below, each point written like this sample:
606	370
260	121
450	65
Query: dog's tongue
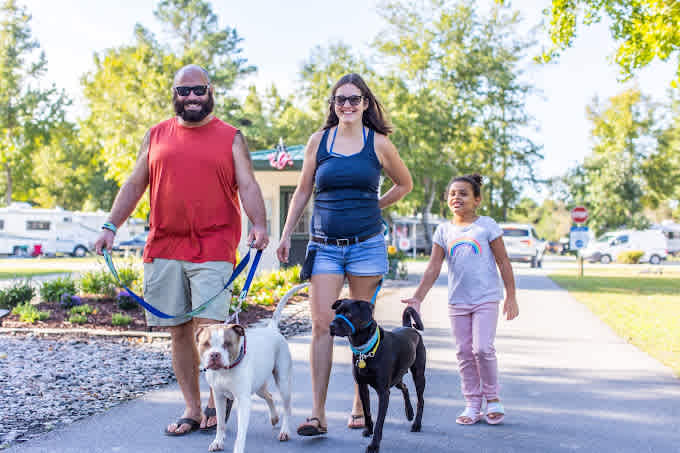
214	366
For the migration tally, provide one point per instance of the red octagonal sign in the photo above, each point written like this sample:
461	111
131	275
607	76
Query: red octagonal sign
579	214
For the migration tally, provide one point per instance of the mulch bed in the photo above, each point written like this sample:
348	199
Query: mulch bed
105	307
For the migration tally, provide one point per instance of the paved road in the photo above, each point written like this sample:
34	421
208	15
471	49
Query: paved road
568	383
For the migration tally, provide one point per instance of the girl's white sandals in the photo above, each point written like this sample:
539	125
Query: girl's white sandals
473	416
494	408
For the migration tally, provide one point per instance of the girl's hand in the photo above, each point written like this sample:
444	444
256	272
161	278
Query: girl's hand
510	308
413	302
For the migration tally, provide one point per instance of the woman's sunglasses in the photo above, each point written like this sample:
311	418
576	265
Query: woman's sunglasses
340	100
199	90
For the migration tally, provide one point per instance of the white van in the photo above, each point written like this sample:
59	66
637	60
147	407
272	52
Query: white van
610	245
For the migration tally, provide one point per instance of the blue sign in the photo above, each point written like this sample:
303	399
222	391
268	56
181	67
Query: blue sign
578	237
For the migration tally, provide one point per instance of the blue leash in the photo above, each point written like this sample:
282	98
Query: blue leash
237	271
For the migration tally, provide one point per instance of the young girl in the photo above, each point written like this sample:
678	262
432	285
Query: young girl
473	246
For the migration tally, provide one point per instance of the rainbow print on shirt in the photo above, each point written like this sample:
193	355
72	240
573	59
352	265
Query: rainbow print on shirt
465	243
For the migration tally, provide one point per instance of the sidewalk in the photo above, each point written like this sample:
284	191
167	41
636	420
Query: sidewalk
568	384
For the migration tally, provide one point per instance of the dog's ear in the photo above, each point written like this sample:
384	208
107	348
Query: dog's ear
337	304
238	328
199	330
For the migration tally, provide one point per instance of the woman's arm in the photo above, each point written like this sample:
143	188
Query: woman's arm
434	267
301	196
395	169
510	307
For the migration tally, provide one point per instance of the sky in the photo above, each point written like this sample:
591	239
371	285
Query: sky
278	36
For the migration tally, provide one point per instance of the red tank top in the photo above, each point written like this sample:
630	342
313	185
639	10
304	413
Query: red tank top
195	213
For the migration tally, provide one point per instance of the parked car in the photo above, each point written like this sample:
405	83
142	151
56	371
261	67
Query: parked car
610	245
134	245
523	244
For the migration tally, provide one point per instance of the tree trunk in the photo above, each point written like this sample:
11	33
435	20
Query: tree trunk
427	207
8	193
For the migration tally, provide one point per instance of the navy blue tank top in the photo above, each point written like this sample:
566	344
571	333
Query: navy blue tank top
346	192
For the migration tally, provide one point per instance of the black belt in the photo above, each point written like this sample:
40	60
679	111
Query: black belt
342	241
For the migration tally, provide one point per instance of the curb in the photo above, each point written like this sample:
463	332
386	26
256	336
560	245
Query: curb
94	332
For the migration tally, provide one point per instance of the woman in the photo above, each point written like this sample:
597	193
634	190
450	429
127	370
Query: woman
342	166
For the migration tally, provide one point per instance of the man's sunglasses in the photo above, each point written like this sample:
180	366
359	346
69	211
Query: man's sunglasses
340	100
199	90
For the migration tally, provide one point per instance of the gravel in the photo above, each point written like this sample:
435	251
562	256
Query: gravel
48	382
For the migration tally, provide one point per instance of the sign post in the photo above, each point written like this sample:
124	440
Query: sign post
579	235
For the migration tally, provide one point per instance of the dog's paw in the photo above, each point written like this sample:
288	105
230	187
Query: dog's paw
415	428
367	432
216	445
274	420
284	436
372	448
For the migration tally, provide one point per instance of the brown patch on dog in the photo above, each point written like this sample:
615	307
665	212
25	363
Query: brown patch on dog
232	340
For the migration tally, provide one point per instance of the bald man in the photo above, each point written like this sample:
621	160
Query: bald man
196	166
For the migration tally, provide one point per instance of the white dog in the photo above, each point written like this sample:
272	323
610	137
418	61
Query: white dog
239	364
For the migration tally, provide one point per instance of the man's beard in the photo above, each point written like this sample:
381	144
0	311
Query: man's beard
192	116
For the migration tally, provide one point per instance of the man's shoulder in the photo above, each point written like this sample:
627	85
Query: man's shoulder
221	124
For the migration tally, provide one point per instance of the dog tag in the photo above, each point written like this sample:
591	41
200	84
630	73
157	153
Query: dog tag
361	363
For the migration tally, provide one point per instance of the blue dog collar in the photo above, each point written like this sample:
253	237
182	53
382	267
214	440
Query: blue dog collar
363	349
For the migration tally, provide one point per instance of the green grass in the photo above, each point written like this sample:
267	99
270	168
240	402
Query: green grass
27	272
65	261
642	308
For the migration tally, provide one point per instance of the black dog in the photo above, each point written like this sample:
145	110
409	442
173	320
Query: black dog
381	359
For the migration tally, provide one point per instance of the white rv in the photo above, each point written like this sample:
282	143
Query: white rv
26	231
671	230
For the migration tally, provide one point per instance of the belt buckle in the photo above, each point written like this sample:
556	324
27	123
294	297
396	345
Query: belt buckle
343	242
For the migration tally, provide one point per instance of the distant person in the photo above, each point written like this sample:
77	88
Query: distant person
196	167
473	247
342	167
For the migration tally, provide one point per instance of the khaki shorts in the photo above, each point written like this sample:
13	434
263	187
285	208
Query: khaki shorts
176	287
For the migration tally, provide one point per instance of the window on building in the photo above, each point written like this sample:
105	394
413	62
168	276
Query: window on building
37	225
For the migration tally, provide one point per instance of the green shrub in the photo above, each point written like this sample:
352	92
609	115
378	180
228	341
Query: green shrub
98	282
29	313
19	292
126	301
119	319
131	277
77	319
630	257
81	310
53	290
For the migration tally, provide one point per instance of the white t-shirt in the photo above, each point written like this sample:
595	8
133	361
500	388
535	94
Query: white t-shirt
473	275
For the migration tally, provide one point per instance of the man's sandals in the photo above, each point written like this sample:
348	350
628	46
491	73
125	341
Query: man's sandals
312	427
212	412
193	426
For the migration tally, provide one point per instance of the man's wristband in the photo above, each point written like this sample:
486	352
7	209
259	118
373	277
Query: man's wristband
110	226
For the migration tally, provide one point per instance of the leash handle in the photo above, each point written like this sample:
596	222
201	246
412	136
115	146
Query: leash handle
246	286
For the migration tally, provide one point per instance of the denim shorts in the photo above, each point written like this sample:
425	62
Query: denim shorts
367	258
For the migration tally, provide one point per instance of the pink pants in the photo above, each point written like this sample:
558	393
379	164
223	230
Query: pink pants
474	329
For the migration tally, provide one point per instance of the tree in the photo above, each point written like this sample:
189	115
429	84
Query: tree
130	87
614	180
460	105
643	29
26	108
